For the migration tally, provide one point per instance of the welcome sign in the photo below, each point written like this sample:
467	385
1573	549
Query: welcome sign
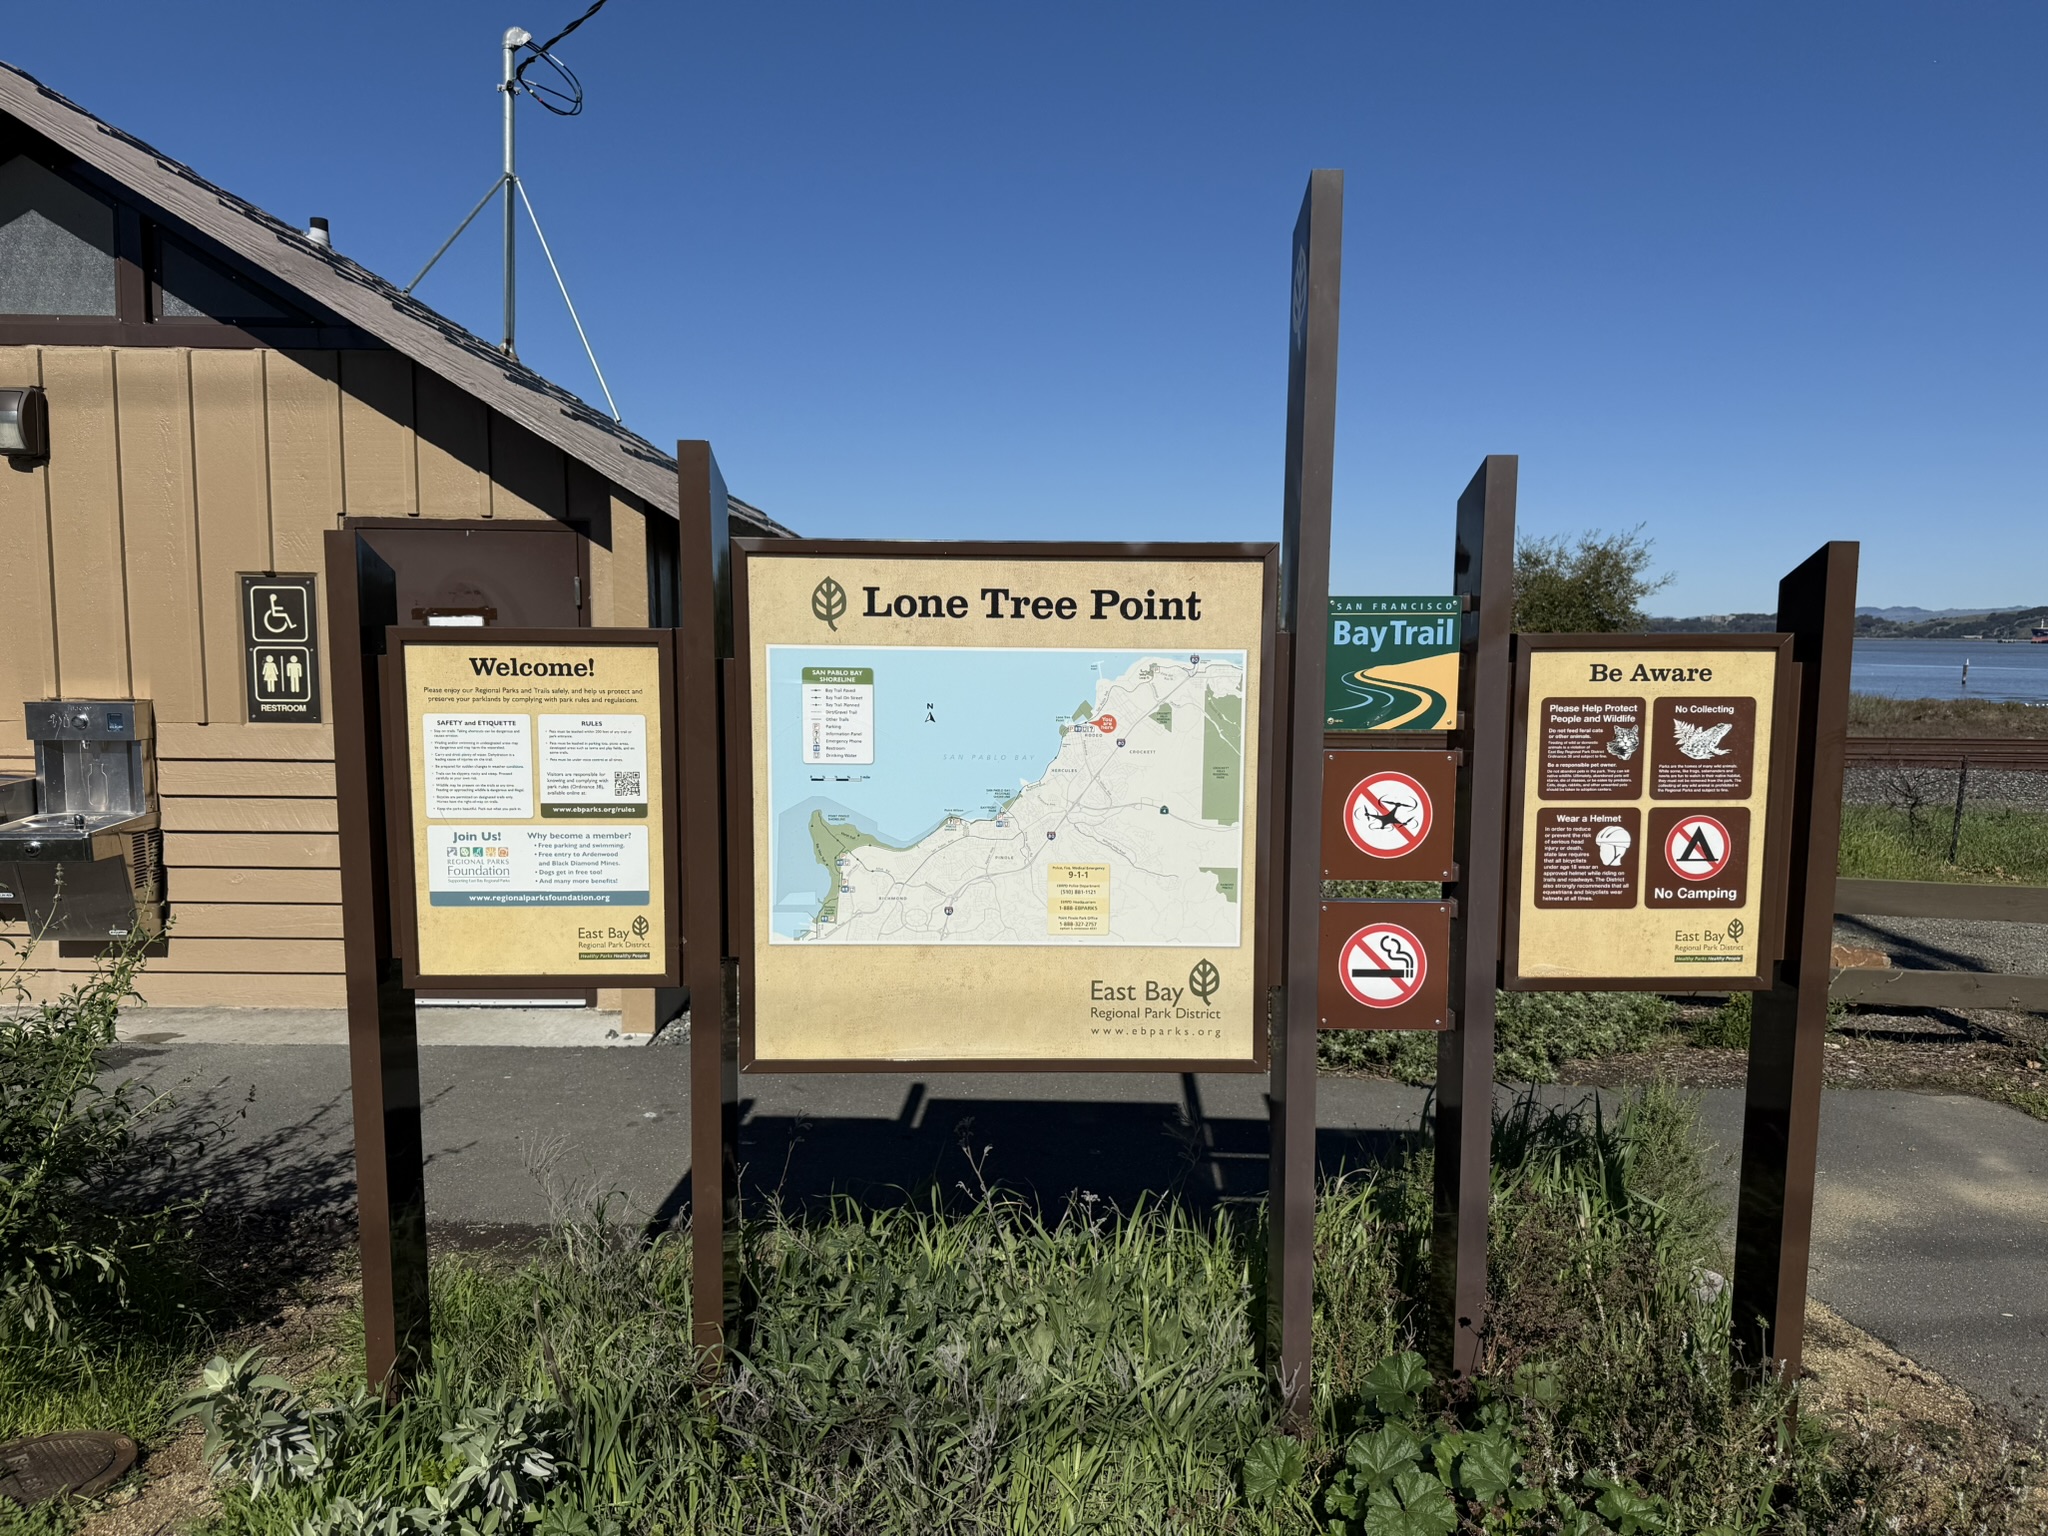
539	825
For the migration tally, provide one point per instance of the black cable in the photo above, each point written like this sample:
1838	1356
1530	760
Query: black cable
540	93
548	95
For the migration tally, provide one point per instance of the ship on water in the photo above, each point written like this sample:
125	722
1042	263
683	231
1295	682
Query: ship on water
2041	634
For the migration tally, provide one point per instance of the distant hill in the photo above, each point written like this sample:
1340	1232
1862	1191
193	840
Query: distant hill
1922	615
1877	624
1715	624
2012	624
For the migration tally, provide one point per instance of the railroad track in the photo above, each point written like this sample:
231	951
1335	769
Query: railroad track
1947	751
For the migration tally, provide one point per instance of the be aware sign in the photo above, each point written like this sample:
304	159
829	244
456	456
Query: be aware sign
1643	827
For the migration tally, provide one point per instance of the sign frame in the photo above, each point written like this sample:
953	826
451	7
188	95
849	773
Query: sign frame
398	796
1768	879
739	725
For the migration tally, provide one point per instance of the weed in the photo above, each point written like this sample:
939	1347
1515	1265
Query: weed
1727	1027
99	1279
1997	845
1875	715
991	1371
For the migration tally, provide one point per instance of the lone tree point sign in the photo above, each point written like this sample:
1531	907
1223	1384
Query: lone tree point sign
1002	803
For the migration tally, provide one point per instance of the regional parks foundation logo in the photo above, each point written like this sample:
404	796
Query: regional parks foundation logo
828	603
1204	981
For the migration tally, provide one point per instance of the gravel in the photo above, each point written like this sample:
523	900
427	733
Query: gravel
1935	788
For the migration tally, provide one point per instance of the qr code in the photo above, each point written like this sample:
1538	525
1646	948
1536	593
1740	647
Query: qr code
626	785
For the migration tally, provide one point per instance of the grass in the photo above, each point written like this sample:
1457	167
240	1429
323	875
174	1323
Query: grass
1997	845
1535	1033
990	1370
1873	715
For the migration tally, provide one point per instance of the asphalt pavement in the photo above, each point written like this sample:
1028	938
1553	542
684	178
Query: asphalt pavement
1931	1218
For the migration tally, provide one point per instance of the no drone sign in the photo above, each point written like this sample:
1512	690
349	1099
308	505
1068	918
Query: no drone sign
1389	815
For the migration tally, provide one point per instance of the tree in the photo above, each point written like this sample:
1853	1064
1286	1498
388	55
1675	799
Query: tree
1594	584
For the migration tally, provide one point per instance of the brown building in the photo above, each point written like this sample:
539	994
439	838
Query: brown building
222	390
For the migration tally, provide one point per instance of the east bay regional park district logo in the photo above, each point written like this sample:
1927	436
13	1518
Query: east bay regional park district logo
828	603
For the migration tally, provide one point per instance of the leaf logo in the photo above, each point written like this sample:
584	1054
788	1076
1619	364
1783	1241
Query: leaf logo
1204	980
828	602
639	927
1735	929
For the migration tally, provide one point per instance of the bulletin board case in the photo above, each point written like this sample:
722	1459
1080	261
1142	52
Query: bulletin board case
1002	1006
531	775
1649	801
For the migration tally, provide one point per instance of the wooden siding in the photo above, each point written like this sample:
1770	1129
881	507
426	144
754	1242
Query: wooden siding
173	471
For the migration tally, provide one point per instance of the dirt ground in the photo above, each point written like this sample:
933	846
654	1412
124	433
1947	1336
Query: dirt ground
1991	1054
1936	1436
169	1490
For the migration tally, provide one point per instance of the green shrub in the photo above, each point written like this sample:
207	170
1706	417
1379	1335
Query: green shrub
1535	1033
100	1282
72	1227
1727	1027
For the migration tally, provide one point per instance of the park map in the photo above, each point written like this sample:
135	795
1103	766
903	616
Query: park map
976	796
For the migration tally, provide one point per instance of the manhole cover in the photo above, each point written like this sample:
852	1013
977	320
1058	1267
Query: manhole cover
84	1461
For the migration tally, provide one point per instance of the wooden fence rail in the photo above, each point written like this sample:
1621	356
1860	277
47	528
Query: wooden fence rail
1941	989
1947	751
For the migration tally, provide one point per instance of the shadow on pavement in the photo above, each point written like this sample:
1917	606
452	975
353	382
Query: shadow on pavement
1048	1151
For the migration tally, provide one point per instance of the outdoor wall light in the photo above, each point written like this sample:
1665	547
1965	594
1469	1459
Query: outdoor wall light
24	423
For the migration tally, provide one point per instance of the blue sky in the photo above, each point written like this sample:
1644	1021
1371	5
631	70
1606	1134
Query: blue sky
1752	275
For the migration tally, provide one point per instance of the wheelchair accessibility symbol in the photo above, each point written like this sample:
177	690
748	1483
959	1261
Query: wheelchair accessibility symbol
278	613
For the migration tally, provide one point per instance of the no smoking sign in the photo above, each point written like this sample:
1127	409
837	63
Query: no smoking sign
1384	965
1388	815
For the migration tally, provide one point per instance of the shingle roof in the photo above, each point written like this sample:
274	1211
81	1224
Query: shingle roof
359	297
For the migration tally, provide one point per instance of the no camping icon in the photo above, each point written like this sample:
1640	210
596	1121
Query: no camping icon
1697	848
1382	965
1387	814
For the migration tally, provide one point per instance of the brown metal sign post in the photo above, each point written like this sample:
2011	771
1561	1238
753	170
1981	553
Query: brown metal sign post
1781	1120
1484	574
383	1046
1304	616
703	677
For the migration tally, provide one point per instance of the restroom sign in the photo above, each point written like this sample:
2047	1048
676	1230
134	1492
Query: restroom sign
280	648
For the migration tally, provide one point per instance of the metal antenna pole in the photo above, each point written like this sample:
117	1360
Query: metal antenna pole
541	234
479	208
515	39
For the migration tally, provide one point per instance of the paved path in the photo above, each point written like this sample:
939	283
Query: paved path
1931	1228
